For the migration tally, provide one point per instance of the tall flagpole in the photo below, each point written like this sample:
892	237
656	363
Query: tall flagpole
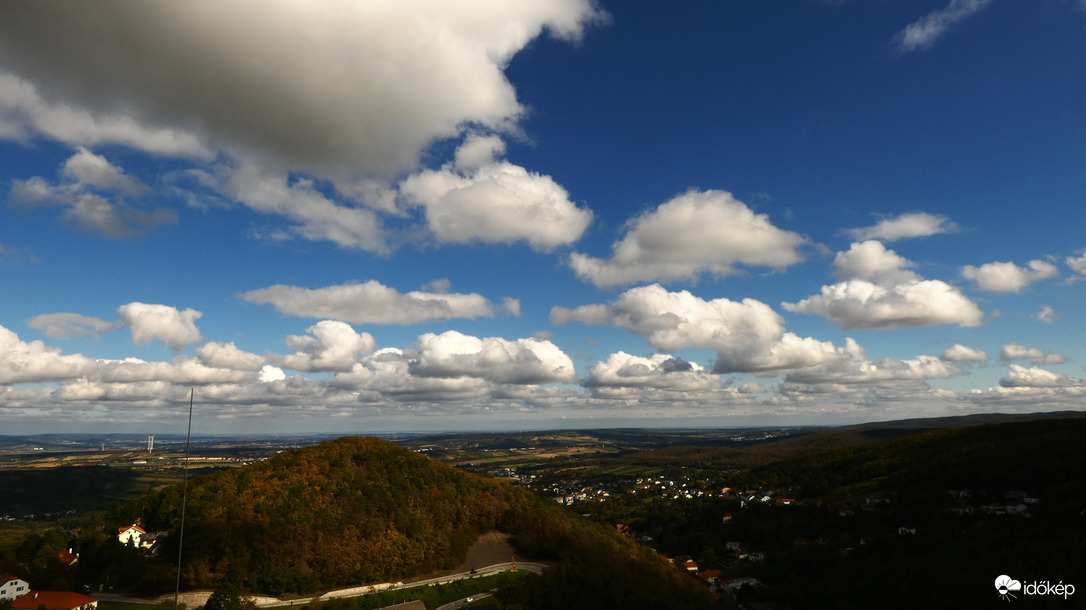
184	498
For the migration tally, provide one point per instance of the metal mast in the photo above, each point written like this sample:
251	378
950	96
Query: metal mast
184	498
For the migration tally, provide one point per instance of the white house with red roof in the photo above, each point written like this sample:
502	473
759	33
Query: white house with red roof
54	600
131	535
12	587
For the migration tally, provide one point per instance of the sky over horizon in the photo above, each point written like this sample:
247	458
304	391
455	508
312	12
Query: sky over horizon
350	216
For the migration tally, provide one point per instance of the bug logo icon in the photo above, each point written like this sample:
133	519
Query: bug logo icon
1005	585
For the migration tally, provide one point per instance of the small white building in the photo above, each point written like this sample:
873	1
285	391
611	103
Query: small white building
131	535
12	587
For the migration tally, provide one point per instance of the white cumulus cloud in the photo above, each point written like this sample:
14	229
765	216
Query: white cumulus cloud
387	375
962	353
747	335
878	291
860	304
872	261
1016	351
93	197
524	361
89	169
1077	264
372	302
148	322
228	356
71	325
752	387
183	370
1008	277
331	345
1021	377
316	216
484	200
917	224
697	232
659	371
859	370
269	373
870	381
28	362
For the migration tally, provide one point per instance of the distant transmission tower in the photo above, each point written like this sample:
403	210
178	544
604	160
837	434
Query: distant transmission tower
151	443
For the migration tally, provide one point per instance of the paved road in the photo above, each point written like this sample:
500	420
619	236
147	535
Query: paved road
530	566
460	603
193	599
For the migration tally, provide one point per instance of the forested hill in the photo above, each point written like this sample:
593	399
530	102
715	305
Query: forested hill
349	511
364	510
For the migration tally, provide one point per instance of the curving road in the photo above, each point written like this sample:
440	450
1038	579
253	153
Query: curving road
460	603
530	566
194	599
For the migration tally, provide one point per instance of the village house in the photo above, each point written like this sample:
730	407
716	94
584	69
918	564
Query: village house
131	535
54	600
12	587
710	576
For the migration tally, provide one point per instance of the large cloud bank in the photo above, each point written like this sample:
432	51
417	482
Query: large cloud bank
335	88
267	99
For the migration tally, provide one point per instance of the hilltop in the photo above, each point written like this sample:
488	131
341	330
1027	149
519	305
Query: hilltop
362	510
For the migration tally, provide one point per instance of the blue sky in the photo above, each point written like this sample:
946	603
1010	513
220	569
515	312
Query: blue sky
359	217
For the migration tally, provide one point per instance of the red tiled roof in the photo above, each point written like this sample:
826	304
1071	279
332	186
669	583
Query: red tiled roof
7	578
52	600
131	527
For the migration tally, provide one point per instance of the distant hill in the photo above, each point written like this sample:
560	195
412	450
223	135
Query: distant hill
963	421
362	510
925	513
807	442
1034	453
933	515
